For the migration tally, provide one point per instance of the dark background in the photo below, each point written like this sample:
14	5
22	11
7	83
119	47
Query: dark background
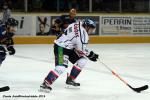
137	6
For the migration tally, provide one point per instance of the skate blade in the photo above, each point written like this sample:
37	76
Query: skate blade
72	87
44	90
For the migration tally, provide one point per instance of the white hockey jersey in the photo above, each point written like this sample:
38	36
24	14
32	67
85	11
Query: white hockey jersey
75	37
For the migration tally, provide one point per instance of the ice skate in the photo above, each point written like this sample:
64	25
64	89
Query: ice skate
71	84
45	88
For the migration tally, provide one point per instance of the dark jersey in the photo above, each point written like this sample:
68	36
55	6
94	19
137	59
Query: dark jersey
6	43
62	23
5	38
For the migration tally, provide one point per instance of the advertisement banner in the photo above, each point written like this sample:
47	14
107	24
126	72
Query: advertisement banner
26	25
141	25
43	24
116	25
105	25
130	25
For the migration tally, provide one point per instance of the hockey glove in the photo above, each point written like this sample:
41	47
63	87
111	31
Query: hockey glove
92	56
11	50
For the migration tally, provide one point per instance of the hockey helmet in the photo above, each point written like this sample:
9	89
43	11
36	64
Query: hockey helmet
89	23
12	22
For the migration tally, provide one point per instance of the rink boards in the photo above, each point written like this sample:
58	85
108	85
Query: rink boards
110	28
93	39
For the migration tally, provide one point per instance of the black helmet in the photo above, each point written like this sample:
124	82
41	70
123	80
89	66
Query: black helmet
89	22
12	22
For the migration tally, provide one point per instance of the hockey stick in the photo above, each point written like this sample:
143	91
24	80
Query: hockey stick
138	90
5	88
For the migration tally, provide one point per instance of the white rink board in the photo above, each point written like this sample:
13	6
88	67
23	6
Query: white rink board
114	25
25	73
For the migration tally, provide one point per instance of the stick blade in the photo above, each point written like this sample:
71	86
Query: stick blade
5	88
138	90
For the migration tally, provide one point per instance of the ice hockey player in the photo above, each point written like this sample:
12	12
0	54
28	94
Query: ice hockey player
71	46
62	22
6	42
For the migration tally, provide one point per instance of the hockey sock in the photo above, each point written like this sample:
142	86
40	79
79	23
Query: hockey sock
51	77
75	72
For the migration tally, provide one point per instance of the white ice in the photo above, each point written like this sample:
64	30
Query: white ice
25	71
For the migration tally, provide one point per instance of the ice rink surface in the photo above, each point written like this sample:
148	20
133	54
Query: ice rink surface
25	71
